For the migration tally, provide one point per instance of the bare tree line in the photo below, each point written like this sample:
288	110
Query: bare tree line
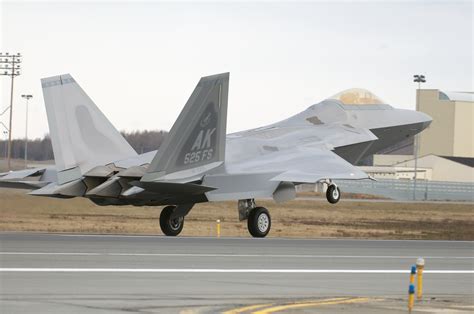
142	142
41	148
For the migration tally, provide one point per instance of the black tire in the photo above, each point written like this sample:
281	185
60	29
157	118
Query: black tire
259	222
333	194
170	227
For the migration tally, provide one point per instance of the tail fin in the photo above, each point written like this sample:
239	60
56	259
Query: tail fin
196	142
81	135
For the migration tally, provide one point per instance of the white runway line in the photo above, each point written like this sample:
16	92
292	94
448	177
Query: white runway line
233	255
238	238
222	270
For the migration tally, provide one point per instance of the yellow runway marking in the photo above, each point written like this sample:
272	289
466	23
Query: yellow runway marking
246	308
311	304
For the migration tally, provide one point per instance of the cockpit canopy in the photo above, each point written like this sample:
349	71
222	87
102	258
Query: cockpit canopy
357	96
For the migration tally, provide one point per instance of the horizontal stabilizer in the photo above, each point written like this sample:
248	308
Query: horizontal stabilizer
21	174
28	185
23	179
70	189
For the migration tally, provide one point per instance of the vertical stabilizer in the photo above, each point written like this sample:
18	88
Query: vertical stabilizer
81	135
196	142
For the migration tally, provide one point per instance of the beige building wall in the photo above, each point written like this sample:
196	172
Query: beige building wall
389	160
398	173
451	132
463	129
438	137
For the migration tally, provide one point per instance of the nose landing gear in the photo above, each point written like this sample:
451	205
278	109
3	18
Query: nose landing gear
333	194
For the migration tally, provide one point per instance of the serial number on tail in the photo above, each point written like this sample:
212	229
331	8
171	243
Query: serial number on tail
194	157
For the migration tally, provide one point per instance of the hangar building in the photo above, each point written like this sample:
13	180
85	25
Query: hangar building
451	132
446	147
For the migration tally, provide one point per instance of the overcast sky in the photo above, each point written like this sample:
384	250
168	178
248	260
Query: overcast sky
140	62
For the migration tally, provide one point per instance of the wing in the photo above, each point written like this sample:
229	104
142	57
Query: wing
304	165
274	174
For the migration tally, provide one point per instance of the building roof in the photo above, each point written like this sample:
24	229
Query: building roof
467	161
457	96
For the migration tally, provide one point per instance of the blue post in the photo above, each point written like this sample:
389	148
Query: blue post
411	297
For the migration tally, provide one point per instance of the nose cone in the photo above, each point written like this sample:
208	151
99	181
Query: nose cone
424	120
412	121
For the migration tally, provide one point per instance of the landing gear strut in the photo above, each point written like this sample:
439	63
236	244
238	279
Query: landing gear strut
258	218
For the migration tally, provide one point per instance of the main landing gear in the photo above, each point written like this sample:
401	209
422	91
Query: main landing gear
258	218
170	226
259	221
172	219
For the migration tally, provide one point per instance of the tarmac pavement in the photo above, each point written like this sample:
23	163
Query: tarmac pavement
69	273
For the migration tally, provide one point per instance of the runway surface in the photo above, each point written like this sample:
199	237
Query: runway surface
63	273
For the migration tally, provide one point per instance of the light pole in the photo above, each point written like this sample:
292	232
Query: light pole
27	97
5	133
5	146
418	78
10	67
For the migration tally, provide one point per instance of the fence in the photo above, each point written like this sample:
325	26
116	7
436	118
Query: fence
404	190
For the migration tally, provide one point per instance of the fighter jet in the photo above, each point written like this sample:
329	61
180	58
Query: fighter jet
198	162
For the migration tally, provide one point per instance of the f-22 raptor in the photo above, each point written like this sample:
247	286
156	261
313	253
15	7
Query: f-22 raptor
198	162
